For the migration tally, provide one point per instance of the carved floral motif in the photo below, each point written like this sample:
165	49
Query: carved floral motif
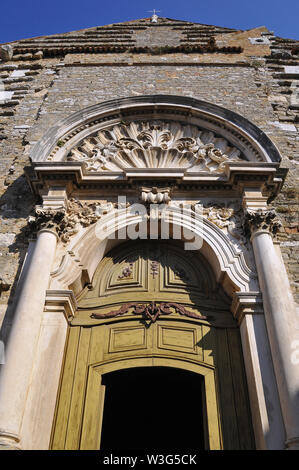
231	218
154	144
126	272
67	221
219	215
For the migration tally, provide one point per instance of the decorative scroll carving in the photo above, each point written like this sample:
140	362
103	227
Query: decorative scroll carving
219	215
154	144
150	311
230	218
67	221
262	220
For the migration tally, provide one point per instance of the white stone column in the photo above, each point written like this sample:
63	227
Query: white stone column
21	348
266	413
41	399
281	319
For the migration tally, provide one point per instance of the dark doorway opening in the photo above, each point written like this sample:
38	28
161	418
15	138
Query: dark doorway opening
153	408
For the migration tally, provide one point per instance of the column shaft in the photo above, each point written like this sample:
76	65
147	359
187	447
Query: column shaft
281	321
23	338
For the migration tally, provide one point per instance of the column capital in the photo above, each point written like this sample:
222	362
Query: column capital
63	221
45	219
261	221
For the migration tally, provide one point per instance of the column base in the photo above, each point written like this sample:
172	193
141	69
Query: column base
9	441
292	444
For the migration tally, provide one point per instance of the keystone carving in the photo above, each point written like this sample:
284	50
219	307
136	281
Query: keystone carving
154	144
155	195
262	220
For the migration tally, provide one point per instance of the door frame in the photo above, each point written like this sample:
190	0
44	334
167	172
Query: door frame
95	397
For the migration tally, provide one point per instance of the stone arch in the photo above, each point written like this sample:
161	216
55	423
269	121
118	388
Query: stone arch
87	250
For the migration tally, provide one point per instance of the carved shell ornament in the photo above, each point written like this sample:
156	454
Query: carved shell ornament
154	144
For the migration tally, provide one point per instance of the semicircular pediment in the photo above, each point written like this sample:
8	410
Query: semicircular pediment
153	132
154	144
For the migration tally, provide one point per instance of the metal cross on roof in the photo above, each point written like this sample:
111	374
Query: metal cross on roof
154	16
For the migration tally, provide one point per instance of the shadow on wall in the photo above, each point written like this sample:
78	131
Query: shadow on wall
16	204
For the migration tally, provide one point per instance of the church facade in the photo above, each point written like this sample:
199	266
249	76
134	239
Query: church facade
149	239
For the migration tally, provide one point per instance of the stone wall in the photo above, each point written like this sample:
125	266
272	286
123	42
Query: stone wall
37	93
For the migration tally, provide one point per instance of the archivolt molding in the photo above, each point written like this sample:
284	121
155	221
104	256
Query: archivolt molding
87	249
251	143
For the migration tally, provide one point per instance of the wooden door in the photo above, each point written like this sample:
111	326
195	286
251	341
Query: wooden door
153	305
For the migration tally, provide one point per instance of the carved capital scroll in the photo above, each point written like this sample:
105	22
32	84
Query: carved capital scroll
65	222
262	220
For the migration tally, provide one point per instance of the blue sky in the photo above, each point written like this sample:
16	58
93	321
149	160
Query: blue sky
29	18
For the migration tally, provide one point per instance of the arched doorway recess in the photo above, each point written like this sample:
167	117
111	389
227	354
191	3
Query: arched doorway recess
151	304
180	152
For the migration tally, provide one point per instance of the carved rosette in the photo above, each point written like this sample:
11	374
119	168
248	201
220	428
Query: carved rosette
154	144
262	220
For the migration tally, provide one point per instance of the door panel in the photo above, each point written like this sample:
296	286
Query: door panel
193	331
213	353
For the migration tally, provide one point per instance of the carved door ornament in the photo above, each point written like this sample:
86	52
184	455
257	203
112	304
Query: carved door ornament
154	268
150	311
126	272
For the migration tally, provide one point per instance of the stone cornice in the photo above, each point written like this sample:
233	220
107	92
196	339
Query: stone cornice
235	177
120	49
